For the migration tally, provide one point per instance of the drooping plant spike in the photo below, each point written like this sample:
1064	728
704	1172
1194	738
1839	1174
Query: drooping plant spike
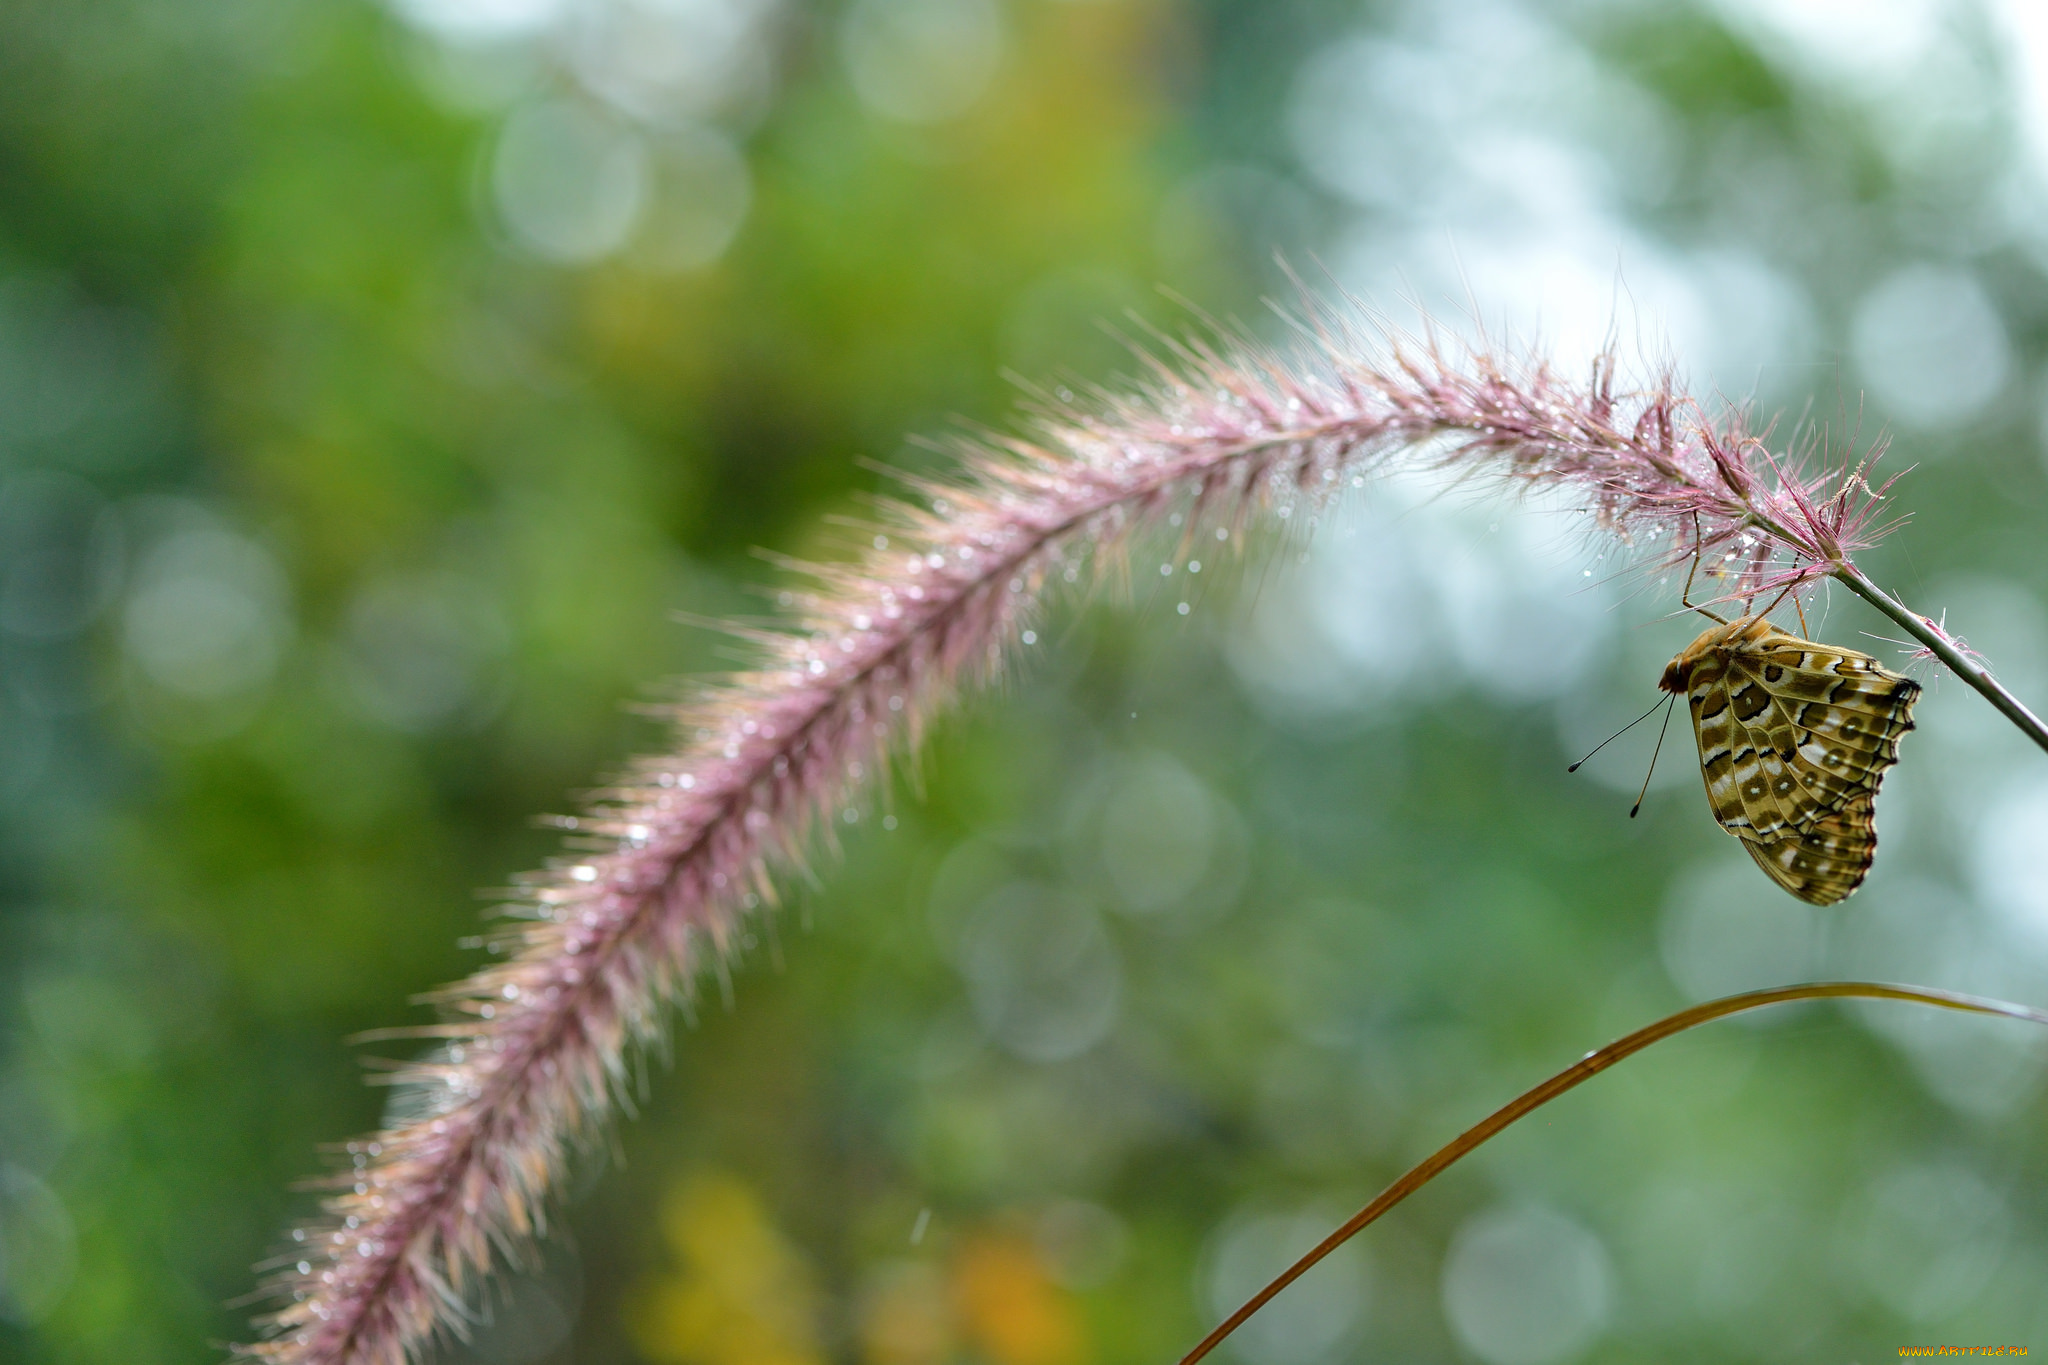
533	1048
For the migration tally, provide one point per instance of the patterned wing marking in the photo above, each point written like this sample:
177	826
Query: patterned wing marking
1827	862
1755	791
1794	739
1719	739
1835	694
1847	712
1757	711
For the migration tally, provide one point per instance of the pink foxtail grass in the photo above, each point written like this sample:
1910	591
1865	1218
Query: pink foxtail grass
534	1048
1575	1075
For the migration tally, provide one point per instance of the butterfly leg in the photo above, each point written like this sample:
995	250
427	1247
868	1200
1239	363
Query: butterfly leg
1685	594
1759	560
1781	597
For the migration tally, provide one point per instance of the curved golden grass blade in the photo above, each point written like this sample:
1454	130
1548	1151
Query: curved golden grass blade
1587	1067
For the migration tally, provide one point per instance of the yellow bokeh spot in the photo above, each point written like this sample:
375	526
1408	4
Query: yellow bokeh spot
739	1293
907	1318
1011	1308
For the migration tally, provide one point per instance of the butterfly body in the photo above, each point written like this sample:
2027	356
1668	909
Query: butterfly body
1794	738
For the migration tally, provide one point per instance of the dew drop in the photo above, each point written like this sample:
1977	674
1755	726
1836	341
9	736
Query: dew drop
1182	609
1030	637
1194	566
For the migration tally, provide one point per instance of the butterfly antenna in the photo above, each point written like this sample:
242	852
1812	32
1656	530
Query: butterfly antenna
1653	757
1616	735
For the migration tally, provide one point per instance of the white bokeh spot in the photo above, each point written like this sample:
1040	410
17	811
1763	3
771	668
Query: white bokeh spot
921	61
568	183
1931	346
1526	1286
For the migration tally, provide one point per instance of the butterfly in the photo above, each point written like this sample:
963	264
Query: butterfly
1794	739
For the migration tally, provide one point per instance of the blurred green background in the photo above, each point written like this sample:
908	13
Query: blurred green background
377	383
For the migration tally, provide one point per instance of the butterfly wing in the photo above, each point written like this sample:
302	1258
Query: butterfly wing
1795	738
1826	862
1844	711
1748	755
